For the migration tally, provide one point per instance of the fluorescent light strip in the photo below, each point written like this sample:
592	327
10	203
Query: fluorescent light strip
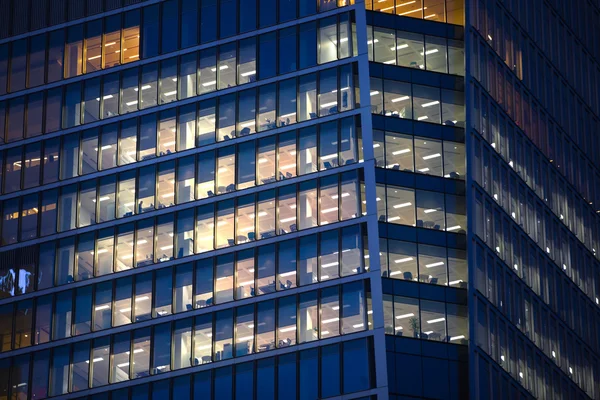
404	316
429	157
397	99
289	329
433	321
398	152
325	105
435	264
403	260
413	11
399	47
329	156
431	103
432	51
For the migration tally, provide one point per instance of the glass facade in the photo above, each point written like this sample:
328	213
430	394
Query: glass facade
284	199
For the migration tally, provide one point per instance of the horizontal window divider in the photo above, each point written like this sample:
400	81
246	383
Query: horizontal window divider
459	189
456	246
177	53
459	79
181	154
198	311
194	257
458	133
454	299
231	361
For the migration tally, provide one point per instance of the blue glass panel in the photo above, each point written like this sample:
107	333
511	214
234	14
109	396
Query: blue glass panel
267	13
208	21
267	61
223	384
244	382
286	377
150	32
309	374
330	370
189	23
265	379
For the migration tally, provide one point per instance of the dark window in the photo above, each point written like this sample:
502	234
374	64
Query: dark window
244	382
309	374
247	15
223	384
208	21
267	55
181	387
160	390
18	65
53	109
202	385
267	13
265	378
37	60
308	45
39	377
287	10
286	377
189	23
287	50
228	18
140	392
4	68
150	32
56	47
170	24
330	371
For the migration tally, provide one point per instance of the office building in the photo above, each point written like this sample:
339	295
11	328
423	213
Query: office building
283	199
